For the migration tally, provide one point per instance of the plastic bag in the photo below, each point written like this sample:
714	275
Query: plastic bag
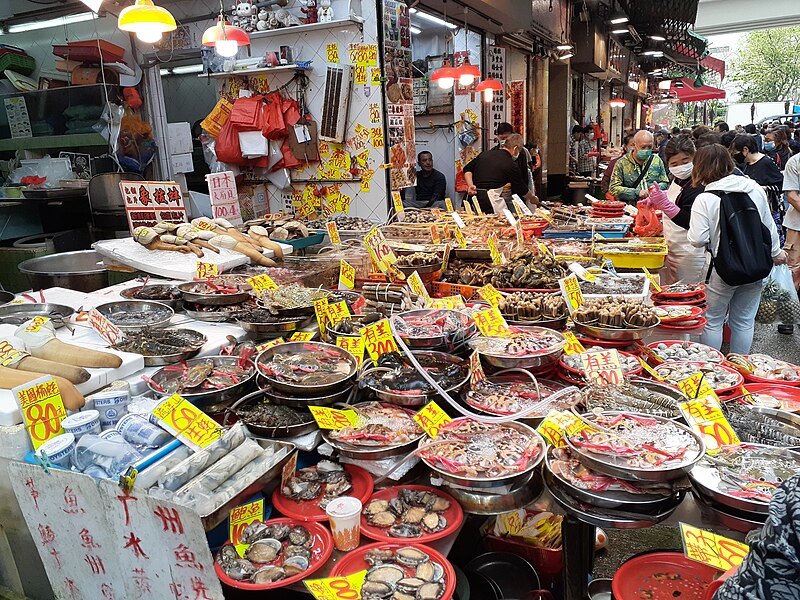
227	145
274	127
247	114
647	223
779	301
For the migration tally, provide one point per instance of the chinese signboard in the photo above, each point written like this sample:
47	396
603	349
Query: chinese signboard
150	202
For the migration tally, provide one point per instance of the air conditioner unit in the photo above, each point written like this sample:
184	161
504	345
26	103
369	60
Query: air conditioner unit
336	103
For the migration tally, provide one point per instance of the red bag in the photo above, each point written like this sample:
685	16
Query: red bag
647	223
246	113
291	112
289	160
227	145
274	125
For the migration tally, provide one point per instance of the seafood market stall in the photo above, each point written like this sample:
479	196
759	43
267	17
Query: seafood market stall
372	414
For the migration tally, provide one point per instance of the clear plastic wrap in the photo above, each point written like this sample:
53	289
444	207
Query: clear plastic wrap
150	476
222	470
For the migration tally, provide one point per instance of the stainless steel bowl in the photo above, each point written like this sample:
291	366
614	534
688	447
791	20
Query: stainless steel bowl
283	326
296	401
274	431
311	348
161	360
17	314
422	269
212	400
615	335
174	303
82	271
210	316
542	358
486	502
162	314
211	299
466	330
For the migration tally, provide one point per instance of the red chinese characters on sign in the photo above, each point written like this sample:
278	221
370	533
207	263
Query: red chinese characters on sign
95	564
224	196
186	559
603	367
87	540
150	202
46	534
170	519
71	502
135	544
33	492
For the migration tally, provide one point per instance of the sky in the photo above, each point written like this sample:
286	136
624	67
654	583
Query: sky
731	42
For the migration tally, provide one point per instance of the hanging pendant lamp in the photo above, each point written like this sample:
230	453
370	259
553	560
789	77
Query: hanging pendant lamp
489	86
148	21
226	39
445	76
468	73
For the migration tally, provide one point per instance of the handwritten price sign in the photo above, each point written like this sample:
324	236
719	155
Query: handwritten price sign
379	249
242	516
706	419
337	588
397	202
332	418
490	294
270	344
462	242
10	355
497	256
206	270
333	233
712	549
451	302
354	345
332	53
347	275
337	312
302	336
321	311
696	387
431	418
36	324
107	330
558	424
603	367
573	345
415	282
374	113
491	323
261	283
42	409
571	290
187	422
378	339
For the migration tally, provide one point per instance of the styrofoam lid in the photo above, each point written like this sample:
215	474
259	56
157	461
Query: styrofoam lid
80	419
59	446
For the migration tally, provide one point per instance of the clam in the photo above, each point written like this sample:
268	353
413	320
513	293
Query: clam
295	565
405	530
299	536
268	574
303	551
388	574
411	557
381	519
240	569
255	531
263	551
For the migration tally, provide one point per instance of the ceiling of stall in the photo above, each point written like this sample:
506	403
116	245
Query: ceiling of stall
493	16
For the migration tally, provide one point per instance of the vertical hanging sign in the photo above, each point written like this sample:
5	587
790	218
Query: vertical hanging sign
497	70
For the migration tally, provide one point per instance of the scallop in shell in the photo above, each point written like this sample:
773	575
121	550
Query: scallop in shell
263	551
268	574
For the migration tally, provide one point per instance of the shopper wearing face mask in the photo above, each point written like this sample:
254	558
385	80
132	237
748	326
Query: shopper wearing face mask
635	172
684	262
763	170
776	146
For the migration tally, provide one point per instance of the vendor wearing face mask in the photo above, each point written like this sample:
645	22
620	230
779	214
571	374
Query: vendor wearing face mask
684	262
634	173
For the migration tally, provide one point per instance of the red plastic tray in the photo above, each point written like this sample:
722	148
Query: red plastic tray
354	562
697	311
662	576
678	295
307	510
658	300
685	325
321	551
789	396
655	360
454	515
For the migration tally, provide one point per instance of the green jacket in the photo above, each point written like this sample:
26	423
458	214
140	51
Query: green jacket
627	171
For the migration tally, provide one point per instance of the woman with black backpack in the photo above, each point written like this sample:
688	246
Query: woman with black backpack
732	220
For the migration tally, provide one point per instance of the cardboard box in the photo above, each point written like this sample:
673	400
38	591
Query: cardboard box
180	138
182	163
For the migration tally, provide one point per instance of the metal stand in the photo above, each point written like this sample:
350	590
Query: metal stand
578	543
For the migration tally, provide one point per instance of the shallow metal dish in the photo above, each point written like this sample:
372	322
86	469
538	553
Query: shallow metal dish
557	324
17	314
735	520
300	389
485	502
276	431
282	326
616	335
170	359
209	316
296	401
607	518
211	299
446	339
608	464
488	482
542	358
422	269
211	400
162	314
174	304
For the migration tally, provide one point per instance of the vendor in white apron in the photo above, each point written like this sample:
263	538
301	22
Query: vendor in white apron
684	263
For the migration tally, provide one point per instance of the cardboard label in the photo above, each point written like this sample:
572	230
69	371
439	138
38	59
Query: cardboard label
397	202
415	282
491	323
206	270
519	205
239	518
270	344
337	588
477	206
107	330
354	345
449	205
347	276
224	197
379	249
451	302
337	311
509	217
302	336
42	409
431	418
571	290
497	256
560	424
581	272
511	522
321	311
650	370
261	283
573	345
603	367
490	294
333	418
378	339
187	422
333	233
446	259
706	419
712	549
652	279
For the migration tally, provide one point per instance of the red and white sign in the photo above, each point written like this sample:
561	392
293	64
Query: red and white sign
224	197
151	202
109	332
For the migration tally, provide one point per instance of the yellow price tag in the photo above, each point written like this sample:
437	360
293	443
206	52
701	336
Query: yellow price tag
462	242
431	418
415	282
379	249
42	409
511	522
652	279
696	388
449	205
573	345
333	418
378	339
477	205
446	259
270	344
347	275
239	518
435	237
571	290
558	424
354	345
337	588
451	302
261	283
706	419
397	202
337	311
490	294
468	208
544	249
333	233
36	324
10	355
302	336
491	323
603	367
712	549
332	53
187	422
650	370
206	270
321	311
497	257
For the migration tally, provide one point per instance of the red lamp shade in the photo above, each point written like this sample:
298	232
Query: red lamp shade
617	102
227	34
445	75
489	86
468	73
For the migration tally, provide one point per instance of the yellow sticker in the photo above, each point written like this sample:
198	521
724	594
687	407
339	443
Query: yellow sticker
603	367
332	53
462	242
206	270
337	311
333	233
571	290
477	205
468	207
446	259
491	323
573	345
449	205
397	202
490	294
36	324
544	249
270	344
321	311
337	588
10	355
650	370
712	549
706	419
497	257
511	522
435	237
239	518
354	345
302	336
558	424
347	275
652	279
697	388
415	281
187	422
261	283
42	409
378	339
379	249
333	418
431	418
451	302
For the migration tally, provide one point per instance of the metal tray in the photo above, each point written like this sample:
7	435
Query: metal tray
489	482
542	358
277	431
485	502
615	499
556	324
607	518
735	520
616	335
467	329
209	316
277	397
705	480
307	347
211	299
422	269
17	314
285	326
160	310
170	359
785	423
53	193
610	465
174	304
221	513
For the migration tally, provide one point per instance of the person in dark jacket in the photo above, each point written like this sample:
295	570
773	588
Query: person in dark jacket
776	146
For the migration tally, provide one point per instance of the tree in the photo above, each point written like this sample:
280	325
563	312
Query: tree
765	69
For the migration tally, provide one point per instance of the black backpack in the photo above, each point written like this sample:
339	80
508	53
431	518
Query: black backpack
745	244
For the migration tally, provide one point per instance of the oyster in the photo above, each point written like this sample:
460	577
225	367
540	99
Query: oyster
295	565
263	551
255	531
341	487
279	531
381	519
227	555
388	574
297	551
268	574
411	557
376	556
240	569
405	530
298	489
299	536
433	522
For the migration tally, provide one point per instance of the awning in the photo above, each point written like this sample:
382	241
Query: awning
689	93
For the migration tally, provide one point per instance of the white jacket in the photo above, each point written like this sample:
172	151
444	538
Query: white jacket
704	222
